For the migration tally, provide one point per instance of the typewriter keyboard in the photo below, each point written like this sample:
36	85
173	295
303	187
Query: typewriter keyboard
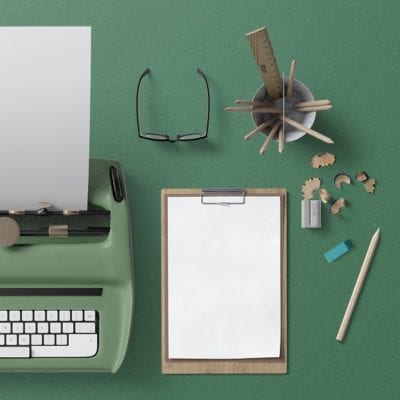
48	333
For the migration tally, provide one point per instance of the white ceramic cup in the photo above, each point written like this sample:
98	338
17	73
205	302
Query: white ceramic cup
300	93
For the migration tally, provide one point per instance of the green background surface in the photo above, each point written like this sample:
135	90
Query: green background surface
346	51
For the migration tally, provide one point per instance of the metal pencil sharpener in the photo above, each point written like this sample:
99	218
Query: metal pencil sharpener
311	214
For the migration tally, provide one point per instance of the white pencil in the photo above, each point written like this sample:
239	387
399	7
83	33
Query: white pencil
254	109
281	136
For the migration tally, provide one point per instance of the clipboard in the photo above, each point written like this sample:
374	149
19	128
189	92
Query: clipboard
258	365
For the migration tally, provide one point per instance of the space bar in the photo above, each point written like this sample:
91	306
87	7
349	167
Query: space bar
15	352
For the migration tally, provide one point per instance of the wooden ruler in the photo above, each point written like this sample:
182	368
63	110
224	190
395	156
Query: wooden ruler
265	58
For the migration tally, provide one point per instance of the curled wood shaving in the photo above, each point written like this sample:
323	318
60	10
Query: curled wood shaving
341	178
369	185
361	176
321	160
310	187
337	205
324	195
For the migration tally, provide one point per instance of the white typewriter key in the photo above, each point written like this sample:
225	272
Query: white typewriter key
5	327
40	316
30	327
55	327
85	327
23	340
61	340
43	327
49	340
65	315
18	327
11	340
14	352
52	315
77	315
27	315
15	315
67	327
90	315
48	333
78	346
36	340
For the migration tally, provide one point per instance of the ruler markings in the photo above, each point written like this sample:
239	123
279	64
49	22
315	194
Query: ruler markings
265	58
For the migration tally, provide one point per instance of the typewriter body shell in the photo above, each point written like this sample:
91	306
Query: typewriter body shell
70	263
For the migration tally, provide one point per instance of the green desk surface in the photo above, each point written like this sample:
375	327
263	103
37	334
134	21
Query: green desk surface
347	51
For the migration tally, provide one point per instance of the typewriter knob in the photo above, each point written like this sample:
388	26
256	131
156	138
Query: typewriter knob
116	184
43	208
9	232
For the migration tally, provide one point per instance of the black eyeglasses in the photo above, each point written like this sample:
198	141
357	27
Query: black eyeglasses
166	138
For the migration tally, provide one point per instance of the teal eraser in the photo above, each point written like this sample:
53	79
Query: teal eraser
340	249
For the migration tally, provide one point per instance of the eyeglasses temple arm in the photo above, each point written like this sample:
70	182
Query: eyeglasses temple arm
201	73
145	72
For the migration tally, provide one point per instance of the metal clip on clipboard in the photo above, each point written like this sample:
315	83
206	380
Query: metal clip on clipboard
207	192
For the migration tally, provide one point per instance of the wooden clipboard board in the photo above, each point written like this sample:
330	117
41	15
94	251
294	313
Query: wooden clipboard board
226	366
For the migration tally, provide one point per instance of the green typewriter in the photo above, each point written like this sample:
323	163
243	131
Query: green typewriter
66	281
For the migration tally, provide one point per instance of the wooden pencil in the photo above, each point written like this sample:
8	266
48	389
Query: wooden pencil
258	129
270	136
358	286
289	92
303	128
313	103
313	108
254	103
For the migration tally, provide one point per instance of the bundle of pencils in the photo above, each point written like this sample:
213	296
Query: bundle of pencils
278	118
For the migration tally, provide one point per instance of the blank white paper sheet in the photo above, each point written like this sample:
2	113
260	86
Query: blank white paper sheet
224	278
44	116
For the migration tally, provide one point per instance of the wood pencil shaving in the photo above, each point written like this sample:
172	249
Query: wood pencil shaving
337	205
324	195
341	178
310	187
369	185
321	160
361	176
